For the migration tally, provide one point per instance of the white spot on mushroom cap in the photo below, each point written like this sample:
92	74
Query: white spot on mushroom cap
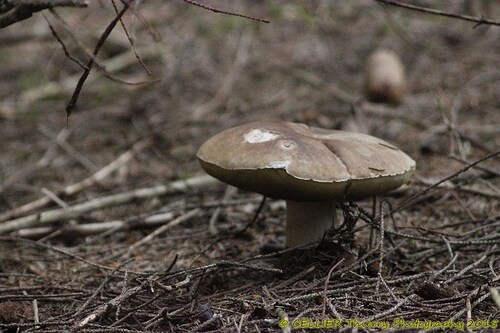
260	135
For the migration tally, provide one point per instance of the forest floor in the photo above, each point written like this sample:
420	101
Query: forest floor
82	249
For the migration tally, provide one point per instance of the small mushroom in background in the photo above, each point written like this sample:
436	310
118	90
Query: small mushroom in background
385	80
311	168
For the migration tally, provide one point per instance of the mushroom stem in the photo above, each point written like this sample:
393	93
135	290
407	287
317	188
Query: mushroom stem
307	222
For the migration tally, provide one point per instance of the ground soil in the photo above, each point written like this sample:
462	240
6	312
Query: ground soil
219	262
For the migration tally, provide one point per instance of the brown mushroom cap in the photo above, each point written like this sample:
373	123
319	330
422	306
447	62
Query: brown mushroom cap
296	162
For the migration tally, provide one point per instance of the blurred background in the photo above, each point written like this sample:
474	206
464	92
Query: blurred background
211	71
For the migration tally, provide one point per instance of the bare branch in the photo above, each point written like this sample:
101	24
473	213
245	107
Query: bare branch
215	10
100	65
15	11
427	189
132	45
74	98
477	20
66	52
106	201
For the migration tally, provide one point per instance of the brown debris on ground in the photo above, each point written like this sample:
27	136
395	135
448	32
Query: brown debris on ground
108	224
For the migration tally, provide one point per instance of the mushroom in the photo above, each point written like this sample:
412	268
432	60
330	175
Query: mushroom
385	80
311	168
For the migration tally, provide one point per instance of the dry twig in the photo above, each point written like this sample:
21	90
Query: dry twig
74	98
77	187
162	229
464	169
216	10
107	201
15	11
477	20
